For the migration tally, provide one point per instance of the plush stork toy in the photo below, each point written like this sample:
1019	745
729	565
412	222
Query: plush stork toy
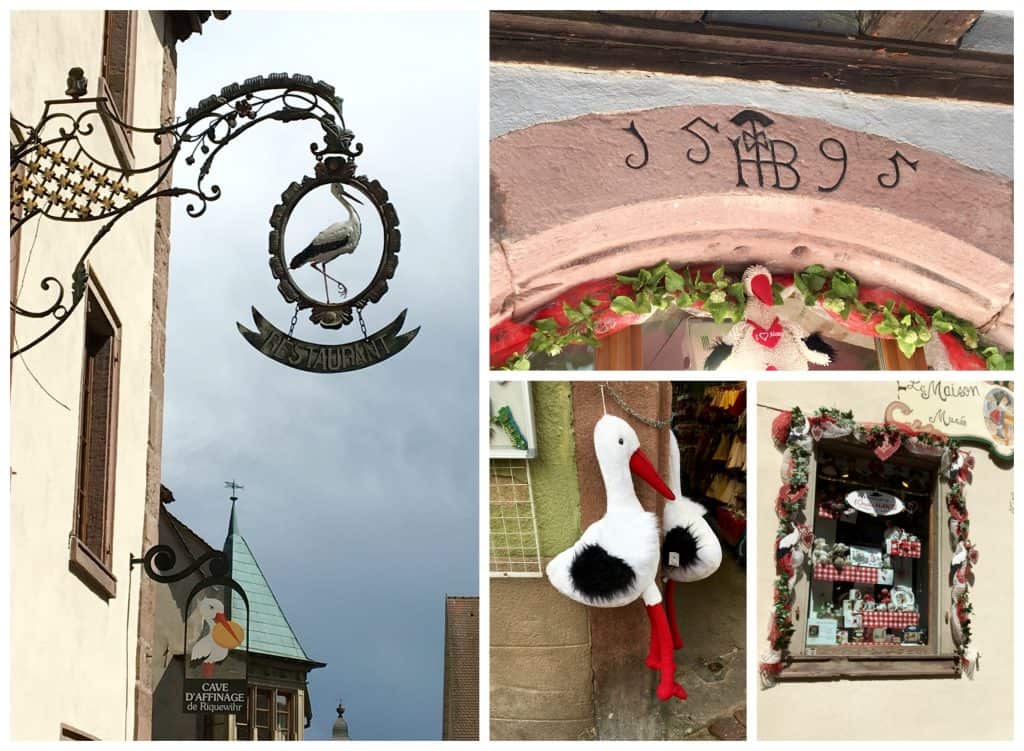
763	340
615	561
691	550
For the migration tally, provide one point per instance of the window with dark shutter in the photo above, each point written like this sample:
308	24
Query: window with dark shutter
117	77
92	552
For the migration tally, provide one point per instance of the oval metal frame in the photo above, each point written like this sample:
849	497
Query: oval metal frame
334	315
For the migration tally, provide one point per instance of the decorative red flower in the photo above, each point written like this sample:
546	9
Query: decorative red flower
780	428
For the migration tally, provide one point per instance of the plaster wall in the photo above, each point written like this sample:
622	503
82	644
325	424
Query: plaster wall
938	709
541	678
73	653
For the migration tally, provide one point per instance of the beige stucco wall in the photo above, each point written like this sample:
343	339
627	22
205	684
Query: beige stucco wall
945	709
73	653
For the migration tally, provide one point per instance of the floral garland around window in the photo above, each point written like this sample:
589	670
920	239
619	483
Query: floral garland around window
594	310
795	434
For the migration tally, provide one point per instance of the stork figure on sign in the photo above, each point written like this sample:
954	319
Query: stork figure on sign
338	239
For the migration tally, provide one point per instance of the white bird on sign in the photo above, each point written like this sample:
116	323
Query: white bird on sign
338	239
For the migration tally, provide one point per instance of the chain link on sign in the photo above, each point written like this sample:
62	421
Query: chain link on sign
362	324
295	319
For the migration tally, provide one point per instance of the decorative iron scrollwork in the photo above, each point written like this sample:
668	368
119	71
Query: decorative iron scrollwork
55	174
160	560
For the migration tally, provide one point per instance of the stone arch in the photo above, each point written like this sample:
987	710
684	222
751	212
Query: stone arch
567	208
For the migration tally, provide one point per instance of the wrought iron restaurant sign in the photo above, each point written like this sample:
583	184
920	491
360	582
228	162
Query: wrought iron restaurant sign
56	174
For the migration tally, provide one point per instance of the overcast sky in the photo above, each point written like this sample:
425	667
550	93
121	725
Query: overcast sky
360	498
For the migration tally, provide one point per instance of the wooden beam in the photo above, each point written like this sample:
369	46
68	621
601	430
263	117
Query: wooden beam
895	666
591	40
667	16
946	28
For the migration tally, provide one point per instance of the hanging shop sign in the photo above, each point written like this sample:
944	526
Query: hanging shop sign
54	174
339	238
874	502
215	641
976	412
216	657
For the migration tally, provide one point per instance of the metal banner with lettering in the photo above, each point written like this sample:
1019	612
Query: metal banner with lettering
976	412
327	358
216	649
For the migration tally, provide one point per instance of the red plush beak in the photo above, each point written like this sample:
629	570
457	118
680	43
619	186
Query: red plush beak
761	286
641	466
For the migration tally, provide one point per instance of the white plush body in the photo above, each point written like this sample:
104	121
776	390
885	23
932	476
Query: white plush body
629	534
626	531
689	515
791	353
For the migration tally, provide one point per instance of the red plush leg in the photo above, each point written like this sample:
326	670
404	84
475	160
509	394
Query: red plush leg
667	687
654	653
670	607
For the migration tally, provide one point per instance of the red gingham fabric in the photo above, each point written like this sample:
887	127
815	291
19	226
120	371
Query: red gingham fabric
888	619
905	549
857	574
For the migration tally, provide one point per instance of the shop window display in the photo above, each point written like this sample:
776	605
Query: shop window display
872	573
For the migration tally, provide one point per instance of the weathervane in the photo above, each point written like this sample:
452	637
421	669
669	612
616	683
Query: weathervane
55	175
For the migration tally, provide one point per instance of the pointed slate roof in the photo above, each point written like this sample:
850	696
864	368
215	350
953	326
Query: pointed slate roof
269	630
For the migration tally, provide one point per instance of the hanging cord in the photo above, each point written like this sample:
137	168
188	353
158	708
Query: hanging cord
651	422
14	335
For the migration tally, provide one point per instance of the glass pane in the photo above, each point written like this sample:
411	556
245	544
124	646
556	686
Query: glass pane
870	583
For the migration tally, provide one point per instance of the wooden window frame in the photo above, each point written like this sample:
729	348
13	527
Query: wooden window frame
874	662
121	109
249	718
94	566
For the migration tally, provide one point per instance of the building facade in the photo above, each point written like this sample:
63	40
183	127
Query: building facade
626	145
884	628
461	669
86	402
278	705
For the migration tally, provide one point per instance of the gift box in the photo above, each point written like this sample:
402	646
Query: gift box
858	574
888	619
904	548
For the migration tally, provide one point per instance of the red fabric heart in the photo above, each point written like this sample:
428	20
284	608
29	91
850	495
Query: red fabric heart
889	446
767	337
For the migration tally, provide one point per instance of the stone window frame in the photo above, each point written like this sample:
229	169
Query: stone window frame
94	567
116	81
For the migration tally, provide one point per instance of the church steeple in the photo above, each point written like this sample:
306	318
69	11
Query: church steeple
340	730
269	631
